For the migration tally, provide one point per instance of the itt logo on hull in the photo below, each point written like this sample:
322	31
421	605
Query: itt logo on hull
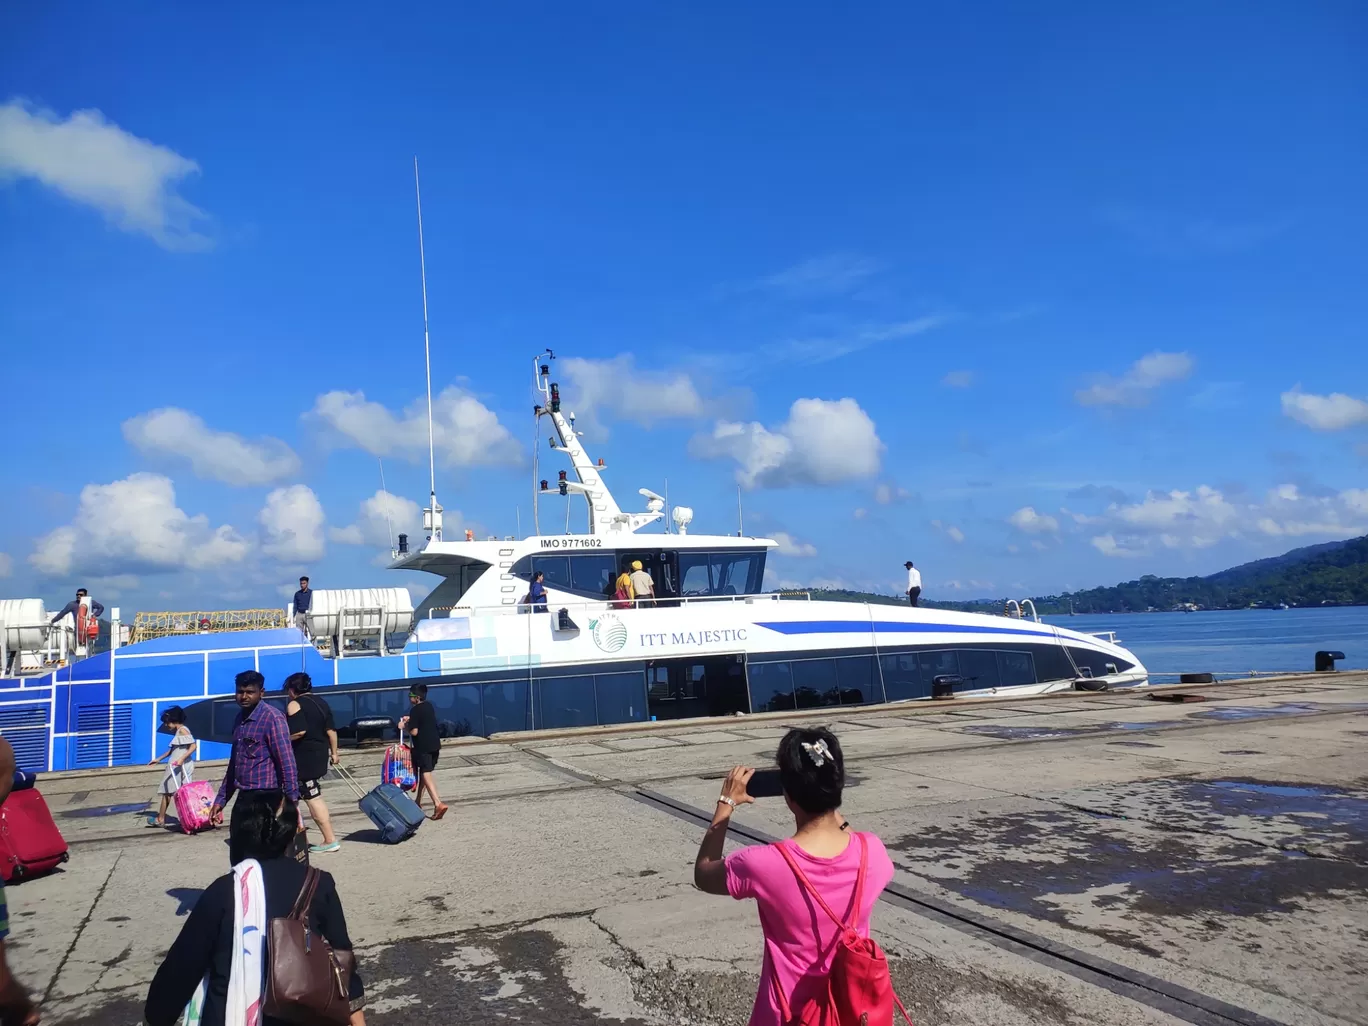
609	633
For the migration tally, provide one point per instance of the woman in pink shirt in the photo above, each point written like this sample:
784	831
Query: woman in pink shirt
800	939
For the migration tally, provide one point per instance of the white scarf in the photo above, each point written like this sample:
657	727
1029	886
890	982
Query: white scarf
246	977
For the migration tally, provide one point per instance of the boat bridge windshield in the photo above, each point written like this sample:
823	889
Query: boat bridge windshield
678	573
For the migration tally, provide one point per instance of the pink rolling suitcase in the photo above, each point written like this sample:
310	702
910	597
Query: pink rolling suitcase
192	805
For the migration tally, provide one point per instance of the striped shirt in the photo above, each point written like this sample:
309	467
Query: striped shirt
262	758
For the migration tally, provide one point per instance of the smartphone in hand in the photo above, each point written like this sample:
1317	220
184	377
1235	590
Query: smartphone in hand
765	783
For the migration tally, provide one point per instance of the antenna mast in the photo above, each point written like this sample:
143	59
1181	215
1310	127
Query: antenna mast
385	491
433	514
740	525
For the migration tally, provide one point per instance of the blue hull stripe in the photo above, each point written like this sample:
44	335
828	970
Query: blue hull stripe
891	627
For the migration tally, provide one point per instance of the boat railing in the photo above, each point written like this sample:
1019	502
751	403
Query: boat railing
1107	636
58	645
606	604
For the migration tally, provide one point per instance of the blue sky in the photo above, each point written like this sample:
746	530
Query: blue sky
1039	299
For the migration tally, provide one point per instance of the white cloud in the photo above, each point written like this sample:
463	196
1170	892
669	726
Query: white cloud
1333	412
465	432
1205	516
949	530
6	565
790	546
93	161
1135	387
381	517
820	350
292	525
823	442
217	455
887	494
601	390
828	275
958	379
1028	520
860	513
135	526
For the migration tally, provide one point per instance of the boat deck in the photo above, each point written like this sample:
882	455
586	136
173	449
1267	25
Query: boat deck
1100	858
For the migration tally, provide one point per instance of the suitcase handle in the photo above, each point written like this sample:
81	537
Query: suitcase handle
350	780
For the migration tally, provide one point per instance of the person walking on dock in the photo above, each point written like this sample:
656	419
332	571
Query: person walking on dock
179	756
421	727
313	737
303	602
913	582
261	759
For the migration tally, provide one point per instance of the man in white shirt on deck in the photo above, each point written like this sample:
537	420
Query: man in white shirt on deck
913	582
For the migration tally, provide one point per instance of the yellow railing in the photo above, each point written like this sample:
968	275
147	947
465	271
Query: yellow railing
162	625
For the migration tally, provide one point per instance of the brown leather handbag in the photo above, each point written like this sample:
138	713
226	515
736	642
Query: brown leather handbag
307	982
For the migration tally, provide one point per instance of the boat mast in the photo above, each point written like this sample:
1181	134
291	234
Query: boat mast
432	516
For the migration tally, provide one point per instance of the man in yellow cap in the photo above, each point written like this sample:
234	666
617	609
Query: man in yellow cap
642	585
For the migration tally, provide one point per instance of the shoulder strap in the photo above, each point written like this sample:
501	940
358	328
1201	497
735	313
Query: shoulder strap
306	895
817	897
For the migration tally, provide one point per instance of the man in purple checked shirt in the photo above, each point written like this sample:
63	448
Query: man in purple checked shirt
262	759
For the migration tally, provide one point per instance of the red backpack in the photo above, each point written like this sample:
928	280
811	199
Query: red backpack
859	990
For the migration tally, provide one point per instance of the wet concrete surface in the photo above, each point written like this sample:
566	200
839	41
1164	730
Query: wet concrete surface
1225	855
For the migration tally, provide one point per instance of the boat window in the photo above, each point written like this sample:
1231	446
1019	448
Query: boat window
1097	664
902	677
620	696
505	706
566	702
458	709
771	686
721	573
391	703
592	574
814	683
1016	668
556	569
980	667
1052	663
859	684
935	664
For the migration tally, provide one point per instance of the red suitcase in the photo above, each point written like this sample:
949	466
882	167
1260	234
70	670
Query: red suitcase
30	842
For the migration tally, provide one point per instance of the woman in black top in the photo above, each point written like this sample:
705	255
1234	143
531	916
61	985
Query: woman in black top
206	942
421	727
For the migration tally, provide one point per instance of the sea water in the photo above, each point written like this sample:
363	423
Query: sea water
1235	641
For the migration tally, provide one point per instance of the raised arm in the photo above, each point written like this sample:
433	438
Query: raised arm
710	868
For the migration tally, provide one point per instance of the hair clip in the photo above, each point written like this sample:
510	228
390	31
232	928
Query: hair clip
817	751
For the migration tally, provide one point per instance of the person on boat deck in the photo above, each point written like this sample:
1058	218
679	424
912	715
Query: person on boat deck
913	582
642	585
96	609
303	602
622	591
536	594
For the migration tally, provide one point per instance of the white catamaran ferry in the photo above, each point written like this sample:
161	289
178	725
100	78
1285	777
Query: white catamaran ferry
710	642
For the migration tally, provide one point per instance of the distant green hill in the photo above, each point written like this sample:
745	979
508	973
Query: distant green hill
1332	574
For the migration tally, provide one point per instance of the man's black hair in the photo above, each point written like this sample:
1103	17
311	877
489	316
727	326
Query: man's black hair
305	580
300	683
249	679
80	592
257	830
814	789
418	689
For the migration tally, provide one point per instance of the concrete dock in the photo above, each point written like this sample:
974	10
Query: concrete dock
1083	858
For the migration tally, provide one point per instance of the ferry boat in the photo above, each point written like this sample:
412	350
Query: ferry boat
710	642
